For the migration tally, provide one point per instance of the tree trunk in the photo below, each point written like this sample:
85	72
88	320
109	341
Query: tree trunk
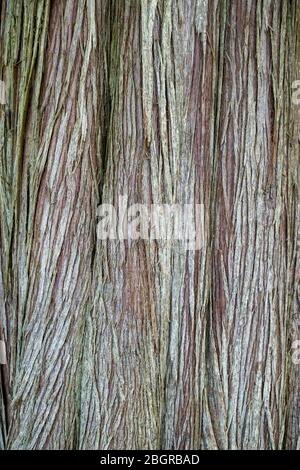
142	344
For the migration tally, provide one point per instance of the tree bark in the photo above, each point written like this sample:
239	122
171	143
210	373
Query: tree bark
142	344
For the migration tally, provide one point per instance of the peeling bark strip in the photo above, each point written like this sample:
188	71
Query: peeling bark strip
123	344
3	359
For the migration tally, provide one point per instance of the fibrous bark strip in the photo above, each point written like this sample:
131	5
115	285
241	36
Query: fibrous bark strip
138	344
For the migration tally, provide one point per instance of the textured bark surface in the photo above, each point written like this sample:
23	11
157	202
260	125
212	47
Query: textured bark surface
137	344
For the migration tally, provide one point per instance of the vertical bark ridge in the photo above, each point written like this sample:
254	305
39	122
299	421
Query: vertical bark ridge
252	261
145	339
136	344
54	175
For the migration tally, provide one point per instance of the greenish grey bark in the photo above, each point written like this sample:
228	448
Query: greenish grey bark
126	344
50	64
